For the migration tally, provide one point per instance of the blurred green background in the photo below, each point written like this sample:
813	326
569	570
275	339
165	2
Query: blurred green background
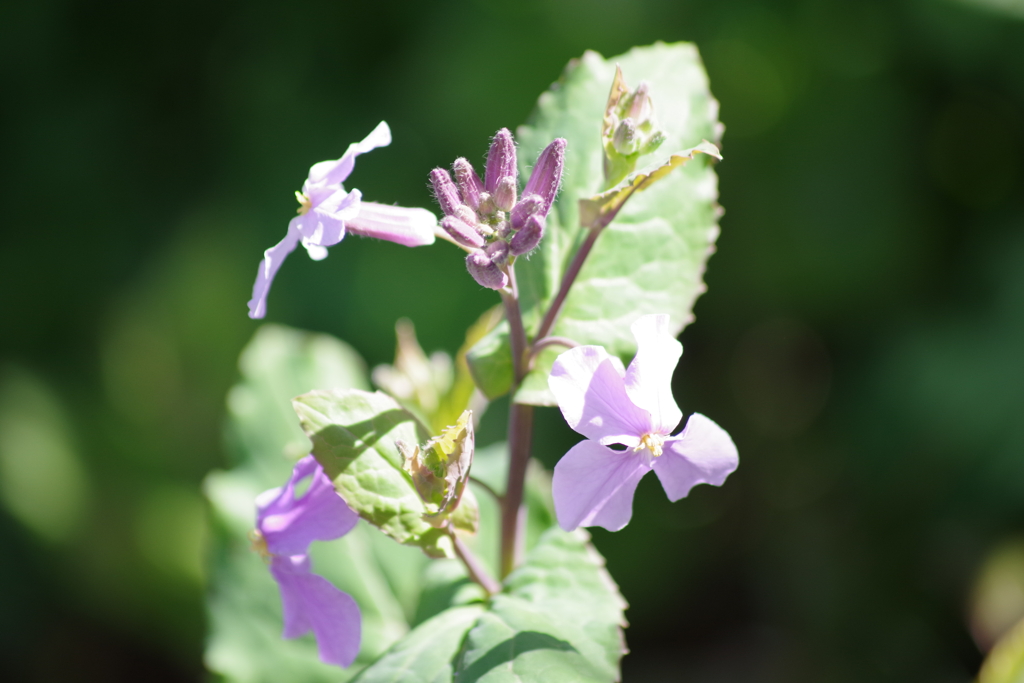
862	338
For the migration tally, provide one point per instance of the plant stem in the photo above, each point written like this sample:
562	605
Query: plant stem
520	433
497	496
473	566
567	280
541	344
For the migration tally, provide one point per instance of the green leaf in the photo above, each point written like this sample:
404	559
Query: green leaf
559	618
651	257
244	603
353	434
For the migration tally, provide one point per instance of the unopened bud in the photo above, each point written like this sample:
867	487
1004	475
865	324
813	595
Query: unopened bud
485	271
501	160
486	206
462	232
527	206
625	138
527	239
547	174
505	194
640	108
497	252
470	185
445	191
440	469
653	142
465	214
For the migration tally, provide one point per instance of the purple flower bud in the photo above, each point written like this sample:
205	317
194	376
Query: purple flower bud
527	206
487	206
527	239
461	232
640	108
505	194
501	160
465	214
498	252
470	185
445	191
485	271
547	174
625	139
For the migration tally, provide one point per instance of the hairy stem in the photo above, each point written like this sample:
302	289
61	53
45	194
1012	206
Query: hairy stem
473	566
517	334
567	281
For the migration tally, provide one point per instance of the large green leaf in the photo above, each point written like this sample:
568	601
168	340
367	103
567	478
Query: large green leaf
354	435
244	604
651	258
559	618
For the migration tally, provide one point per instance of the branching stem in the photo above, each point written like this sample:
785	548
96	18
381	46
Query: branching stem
567	281
473	567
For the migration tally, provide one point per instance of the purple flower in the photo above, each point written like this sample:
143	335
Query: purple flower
327	212
285	526
593	484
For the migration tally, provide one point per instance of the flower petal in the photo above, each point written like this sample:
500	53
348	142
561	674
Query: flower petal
408	227
593	485
311	603
588	385
649	376
289	524
702	454
272	260
332	172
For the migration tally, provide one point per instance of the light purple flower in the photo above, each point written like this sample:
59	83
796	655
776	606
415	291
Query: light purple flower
285	526
593	484
327	212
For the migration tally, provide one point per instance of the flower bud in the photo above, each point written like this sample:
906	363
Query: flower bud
445	191
461	232
505	194
440	469
527	206
625	138
465	214
501	160
640	108
470	185
527	239
547	174
653	142
485	271
486	206
497	252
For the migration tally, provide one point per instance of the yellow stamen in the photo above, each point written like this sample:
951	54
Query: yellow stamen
259	544
652	442
305	203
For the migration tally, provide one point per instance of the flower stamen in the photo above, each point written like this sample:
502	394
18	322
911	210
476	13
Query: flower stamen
305	203
652	442
259	544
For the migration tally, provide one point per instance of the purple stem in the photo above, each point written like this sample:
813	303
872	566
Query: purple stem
567	280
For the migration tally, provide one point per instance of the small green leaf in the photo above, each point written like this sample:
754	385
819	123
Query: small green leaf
354	436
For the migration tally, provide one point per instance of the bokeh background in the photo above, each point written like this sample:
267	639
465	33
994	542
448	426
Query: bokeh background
862	337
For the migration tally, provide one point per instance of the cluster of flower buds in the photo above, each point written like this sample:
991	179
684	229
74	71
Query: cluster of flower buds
440	470
629	129
487	216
